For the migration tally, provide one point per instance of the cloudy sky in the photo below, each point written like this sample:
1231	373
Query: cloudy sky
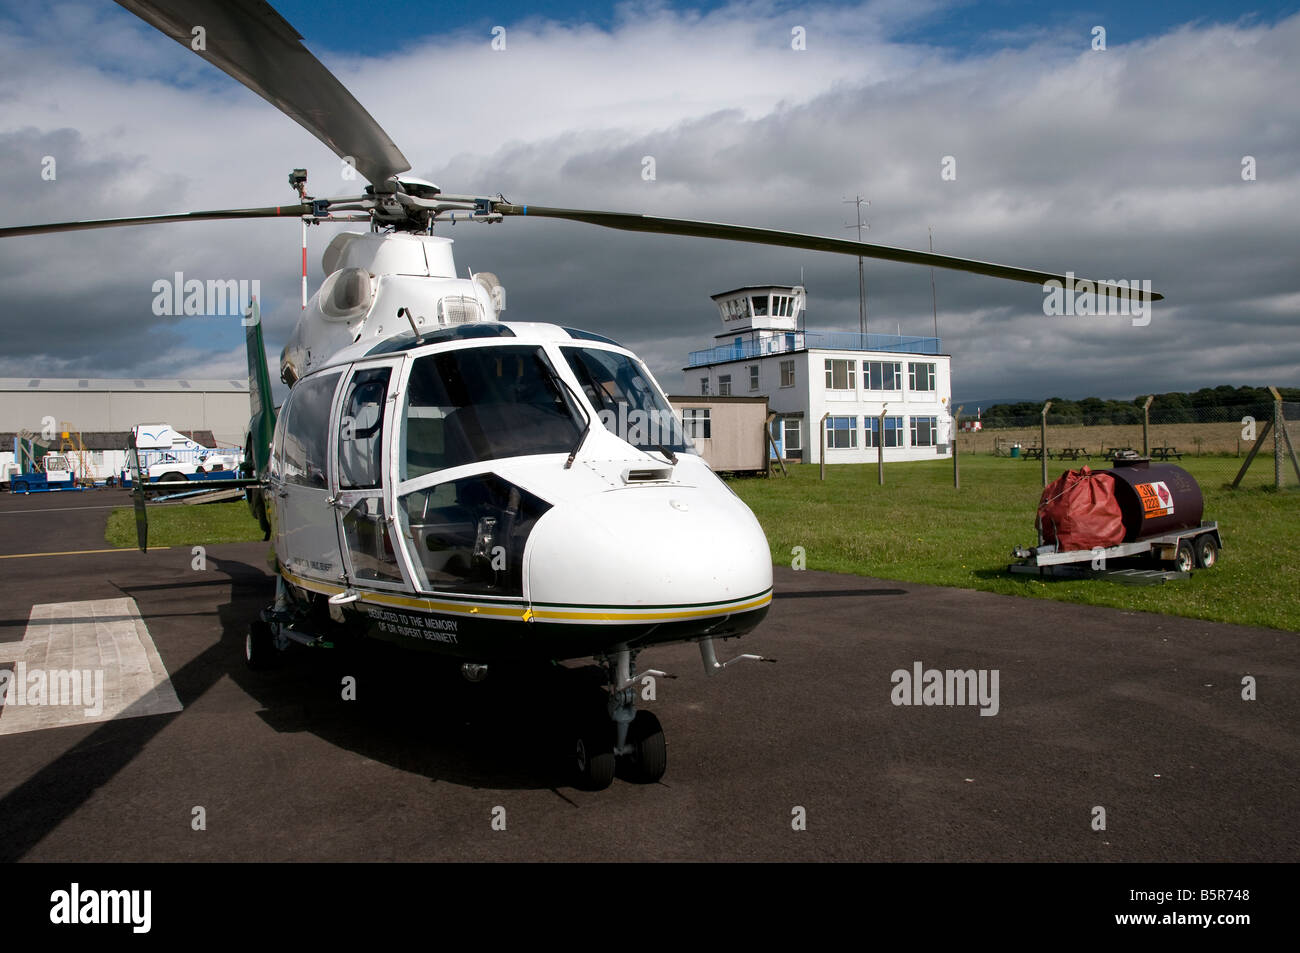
1125	162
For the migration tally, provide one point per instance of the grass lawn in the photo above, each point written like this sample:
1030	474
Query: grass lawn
186	525
917	528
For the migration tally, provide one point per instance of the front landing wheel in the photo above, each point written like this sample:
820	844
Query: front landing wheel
259	647
648	759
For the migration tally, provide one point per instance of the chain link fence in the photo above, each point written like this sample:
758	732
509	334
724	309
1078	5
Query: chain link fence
1211	443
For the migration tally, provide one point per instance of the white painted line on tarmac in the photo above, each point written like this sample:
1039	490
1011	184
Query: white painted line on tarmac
64	509
82	662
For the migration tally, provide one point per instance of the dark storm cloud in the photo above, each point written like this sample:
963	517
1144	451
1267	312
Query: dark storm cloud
1123	164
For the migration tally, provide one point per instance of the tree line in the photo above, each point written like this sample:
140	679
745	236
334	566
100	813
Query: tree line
1205	405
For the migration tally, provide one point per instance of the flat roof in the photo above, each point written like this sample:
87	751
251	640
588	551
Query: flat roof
837	353
734	291
715	399
101	384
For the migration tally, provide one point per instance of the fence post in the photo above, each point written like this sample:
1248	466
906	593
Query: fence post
1146	426
823	445
880	448
1042	439
1278	424
956	429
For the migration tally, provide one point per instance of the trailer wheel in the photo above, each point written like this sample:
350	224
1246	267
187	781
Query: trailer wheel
1185	560
172	477
20	486
1207	551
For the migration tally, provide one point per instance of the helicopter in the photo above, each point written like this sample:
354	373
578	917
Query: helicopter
494	492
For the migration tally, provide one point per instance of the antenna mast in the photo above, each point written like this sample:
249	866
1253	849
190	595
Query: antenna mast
858	201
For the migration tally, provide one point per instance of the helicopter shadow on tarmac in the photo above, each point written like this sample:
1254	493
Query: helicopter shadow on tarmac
412	711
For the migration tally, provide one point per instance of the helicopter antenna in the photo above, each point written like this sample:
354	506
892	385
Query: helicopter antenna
406	313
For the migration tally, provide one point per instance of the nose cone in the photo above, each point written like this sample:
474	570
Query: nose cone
648	546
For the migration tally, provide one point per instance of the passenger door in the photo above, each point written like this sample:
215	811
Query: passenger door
307	539
363	427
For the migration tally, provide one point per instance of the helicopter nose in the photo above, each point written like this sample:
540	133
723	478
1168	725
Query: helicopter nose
648	546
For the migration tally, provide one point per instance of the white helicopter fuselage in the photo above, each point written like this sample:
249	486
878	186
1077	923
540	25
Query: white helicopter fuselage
493	490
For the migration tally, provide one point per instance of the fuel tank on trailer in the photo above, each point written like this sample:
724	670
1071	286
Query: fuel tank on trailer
1155	498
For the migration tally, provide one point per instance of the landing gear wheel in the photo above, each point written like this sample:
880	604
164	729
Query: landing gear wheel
259	647
1185	560
1207	551
594	756
648	759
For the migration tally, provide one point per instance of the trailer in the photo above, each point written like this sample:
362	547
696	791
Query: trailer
1148	515
168	456
1179	552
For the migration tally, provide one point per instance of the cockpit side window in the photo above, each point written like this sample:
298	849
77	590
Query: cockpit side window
306	430
361	429
484	403
629	404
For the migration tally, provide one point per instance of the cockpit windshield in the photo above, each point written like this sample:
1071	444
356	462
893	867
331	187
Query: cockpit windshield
484	403
629	405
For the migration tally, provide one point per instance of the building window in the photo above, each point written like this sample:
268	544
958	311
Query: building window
923	431
841	375
760	306
841	433
753	377
793	440
704	387
920	376
696	422
724	385
737	308
782	306
787	373
893	431
882	375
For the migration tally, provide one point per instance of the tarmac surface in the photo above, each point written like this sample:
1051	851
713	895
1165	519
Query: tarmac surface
1138	714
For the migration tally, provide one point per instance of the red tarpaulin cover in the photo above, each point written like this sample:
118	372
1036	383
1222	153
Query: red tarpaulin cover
1079	511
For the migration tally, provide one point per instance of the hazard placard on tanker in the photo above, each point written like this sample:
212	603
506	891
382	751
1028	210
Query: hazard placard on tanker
1156	500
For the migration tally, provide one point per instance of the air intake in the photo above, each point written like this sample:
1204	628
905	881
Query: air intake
648	475
458	309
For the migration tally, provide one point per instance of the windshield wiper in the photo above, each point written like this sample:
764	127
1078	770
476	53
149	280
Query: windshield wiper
582	437
672	457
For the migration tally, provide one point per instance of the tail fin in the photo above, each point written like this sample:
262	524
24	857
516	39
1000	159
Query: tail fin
261	426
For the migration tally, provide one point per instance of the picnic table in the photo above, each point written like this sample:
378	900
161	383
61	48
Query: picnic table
1164	453
1074	453
1036	453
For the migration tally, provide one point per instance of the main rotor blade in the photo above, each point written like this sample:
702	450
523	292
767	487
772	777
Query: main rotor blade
251	42
271	211
766	236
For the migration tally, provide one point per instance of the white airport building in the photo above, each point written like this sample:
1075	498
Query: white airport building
846	377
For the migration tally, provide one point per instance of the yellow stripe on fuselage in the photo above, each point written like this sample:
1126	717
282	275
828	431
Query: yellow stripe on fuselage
520	610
